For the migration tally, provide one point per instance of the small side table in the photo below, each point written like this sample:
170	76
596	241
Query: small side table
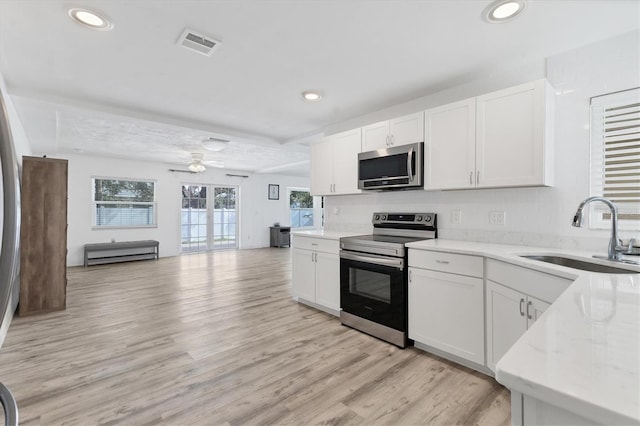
280	236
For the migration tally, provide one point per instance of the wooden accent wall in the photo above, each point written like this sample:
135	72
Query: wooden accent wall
43	235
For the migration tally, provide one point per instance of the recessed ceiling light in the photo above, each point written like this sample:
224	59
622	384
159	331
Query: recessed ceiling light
311	95
91	19
503	10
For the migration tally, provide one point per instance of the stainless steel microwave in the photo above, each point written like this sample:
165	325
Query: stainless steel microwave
400	167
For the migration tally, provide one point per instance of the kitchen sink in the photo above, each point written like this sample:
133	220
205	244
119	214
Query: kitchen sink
580	264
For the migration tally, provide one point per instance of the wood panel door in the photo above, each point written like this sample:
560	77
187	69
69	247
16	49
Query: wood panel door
43	236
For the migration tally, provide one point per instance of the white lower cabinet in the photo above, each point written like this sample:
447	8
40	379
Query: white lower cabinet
529	411
304	274
446	310
328	280
511	308
316	273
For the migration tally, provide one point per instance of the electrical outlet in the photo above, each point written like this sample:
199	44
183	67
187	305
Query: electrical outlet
456	217
497	218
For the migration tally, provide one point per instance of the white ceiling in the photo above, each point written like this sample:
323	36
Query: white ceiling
133	93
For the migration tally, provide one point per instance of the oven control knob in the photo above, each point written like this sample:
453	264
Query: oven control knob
384	217
427	218
419	218
377	217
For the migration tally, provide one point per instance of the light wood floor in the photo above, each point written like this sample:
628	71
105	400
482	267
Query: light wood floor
215	338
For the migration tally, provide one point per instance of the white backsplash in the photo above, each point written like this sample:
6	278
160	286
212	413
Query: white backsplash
534	216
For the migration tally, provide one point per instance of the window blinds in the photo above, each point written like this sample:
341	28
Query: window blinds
615	151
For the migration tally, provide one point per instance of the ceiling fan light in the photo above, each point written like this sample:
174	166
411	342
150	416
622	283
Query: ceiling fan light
197	167
196	162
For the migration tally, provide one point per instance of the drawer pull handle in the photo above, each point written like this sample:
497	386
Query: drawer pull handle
528	310
522	307
444	262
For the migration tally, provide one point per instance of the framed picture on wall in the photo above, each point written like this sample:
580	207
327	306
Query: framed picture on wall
274	192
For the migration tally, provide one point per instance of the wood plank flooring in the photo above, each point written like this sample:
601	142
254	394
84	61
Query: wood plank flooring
215	338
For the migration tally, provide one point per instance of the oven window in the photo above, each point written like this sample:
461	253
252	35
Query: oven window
373	285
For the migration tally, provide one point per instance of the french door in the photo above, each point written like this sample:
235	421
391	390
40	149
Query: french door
208	217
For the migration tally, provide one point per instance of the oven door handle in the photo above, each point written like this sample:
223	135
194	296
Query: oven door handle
382	261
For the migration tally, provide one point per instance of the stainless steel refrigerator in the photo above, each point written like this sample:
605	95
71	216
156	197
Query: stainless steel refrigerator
10	219
10	248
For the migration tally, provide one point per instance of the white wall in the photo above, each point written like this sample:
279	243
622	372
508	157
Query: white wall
257	213
534	216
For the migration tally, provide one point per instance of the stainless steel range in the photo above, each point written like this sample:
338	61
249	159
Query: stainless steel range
374	278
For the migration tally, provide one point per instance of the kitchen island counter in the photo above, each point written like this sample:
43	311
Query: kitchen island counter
582	354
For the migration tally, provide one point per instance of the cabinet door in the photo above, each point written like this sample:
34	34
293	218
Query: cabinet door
322	168
535	309
43	235
375	136
506	320
346	147
450	146
328	280
407	129
446	312
510	136
304	274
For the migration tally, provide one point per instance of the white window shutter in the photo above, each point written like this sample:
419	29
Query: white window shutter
615	156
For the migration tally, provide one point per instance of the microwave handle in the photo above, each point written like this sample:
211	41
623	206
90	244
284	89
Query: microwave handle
409	164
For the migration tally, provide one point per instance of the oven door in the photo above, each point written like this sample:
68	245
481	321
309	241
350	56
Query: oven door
374	287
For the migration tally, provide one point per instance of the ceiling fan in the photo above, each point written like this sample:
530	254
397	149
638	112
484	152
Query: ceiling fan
196	165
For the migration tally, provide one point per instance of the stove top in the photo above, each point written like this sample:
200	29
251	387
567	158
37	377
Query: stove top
391	232
384	239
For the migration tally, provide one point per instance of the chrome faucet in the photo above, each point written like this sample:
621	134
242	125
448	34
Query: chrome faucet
615	245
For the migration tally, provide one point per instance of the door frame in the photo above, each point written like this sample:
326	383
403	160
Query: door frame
210	215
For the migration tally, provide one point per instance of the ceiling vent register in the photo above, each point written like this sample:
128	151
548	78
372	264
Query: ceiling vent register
199	43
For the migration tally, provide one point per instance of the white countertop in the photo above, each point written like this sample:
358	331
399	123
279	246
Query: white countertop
583	353
329	235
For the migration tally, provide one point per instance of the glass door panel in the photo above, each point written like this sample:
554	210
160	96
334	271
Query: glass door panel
224	217
194	229
208	218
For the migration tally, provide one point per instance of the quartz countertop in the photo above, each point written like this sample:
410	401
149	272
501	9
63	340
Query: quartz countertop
583	353
329	235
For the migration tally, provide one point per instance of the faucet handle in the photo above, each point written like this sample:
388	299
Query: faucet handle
631	247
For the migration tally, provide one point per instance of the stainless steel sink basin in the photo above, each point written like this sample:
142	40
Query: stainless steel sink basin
580	264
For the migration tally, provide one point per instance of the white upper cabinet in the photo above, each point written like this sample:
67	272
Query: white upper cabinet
398	131
450	146
321	167
334	164
513	136
501	139
346	147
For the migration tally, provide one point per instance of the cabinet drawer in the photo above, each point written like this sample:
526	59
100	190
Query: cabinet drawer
534	283
317	244
461	264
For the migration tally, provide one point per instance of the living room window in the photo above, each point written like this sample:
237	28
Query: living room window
615	157
123	203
